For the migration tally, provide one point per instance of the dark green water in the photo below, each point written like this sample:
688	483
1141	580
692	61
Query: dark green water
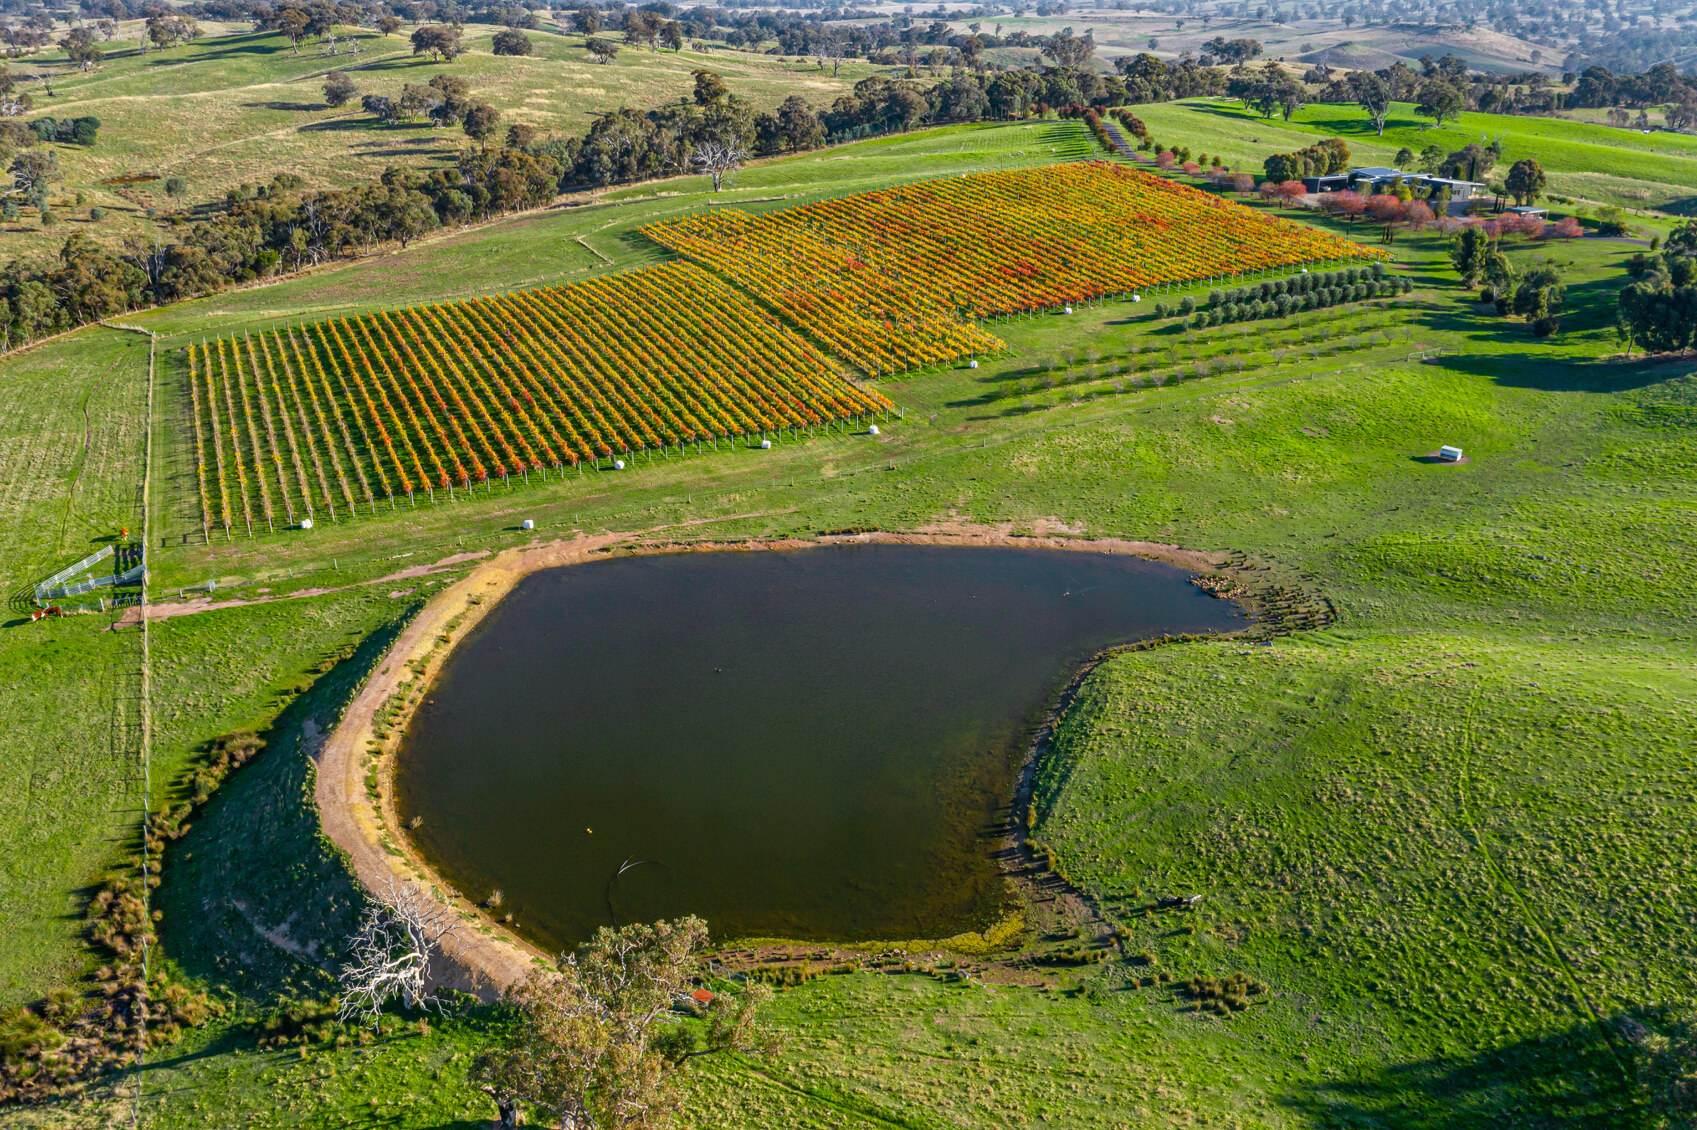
812	744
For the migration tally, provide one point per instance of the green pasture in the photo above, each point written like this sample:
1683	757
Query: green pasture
1584	160
1450	833
71	418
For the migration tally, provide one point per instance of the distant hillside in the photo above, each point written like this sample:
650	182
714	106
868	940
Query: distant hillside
235	109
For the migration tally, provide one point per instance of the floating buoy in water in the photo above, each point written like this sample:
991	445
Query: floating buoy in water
873	430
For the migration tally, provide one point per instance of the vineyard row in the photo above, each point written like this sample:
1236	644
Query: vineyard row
340	414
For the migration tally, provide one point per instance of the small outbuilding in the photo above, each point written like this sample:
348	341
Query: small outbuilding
1449	454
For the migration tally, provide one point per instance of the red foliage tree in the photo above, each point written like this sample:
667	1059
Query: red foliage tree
1386	209
1348	203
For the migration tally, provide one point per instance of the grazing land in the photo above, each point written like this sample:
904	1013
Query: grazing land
1440	842
70	770
230	110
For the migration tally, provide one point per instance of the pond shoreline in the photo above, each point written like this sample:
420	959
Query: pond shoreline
355	792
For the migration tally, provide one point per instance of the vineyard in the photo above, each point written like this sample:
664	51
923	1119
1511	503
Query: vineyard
888	280
332	416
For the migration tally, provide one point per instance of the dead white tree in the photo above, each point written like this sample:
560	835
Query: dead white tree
389	954
719	159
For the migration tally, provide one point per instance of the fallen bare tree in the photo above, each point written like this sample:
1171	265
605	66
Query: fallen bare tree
389	954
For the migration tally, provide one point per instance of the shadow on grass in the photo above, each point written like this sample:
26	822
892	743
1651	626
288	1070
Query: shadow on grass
241	45
1576	1079
277	104
254	898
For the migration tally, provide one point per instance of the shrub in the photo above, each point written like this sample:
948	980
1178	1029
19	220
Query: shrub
510	42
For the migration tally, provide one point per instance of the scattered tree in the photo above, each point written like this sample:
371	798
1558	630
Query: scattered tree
1372	94
1439	100
1069	50
1525	180
80	48
601	50
33	171
381	107
480	121
1537	299
710	89
1468	253
168	30
719	159
510	42
586	20
598	1043
290	22
339	89
440	41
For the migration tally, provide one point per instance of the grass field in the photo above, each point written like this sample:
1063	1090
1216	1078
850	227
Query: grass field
70	775
228	110
1584	160
1450	833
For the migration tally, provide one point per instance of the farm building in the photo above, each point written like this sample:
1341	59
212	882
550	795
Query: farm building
1374	178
